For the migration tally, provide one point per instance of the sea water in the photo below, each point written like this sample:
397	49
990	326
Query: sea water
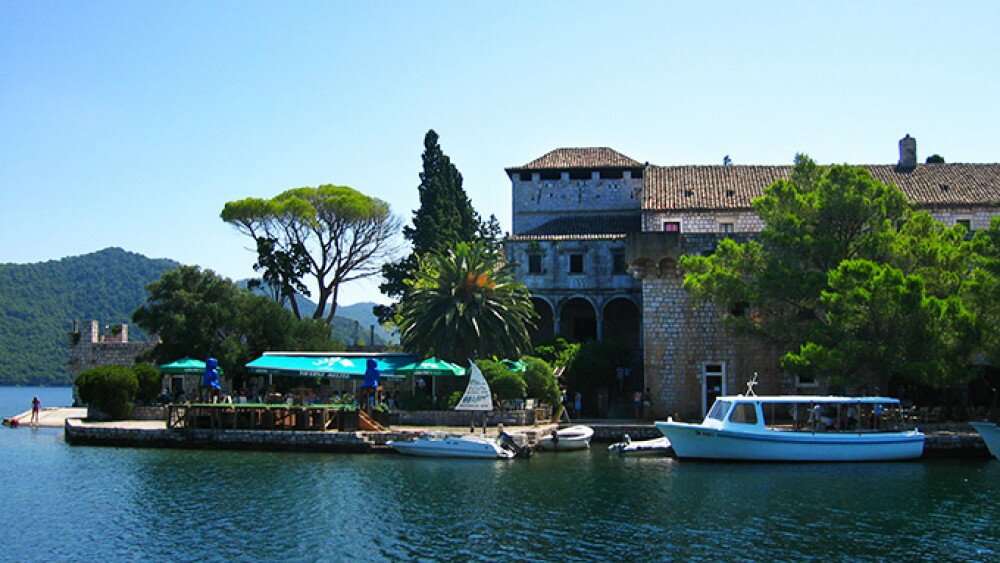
75	502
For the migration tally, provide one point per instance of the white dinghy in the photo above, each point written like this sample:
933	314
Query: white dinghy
630	447
566	439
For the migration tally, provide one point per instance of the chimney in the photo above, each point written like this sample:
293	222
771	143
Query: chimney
907	153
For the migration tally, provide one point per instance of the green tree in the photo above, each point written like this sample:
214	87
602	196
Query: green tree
850	282
595	365
464	303
110	389
984	287
505	383
541	382
200	314
149	382
336	234
445	216
879	323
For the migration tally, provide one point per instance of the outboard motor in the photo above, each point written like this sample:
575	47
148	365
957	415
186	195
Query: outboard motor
507	442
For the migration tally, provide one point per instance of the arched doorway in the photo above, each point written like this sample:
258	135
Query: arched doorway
621	322
544	331
578	320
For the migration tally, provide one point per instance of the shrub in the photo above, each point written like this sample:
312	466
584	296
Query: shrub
110	389
453	399
558	353
541	382
149	380
509	385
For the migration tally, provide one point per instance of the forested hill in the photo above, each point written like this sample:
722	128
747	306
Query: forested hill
38	303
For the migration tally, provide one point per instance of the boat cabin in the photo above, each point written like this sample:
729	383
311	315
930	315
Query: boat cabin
802	413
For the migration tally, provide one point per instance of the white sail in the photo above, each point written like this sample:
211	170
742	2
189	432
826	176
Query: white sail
477	394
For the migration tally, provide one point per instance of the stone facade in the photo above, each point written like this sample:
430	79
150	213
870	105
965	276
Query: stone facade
577	210
91	348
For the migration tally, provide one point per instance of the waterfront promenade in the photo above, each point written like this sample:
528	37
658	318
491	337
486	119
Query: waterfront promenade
954	440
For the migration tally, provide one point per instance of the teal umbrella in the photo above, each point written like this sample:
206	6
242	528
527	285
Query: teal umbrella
514	365
184	366
431	367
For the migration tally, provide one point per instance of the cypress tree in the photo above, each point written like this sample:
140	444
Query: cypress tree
445	216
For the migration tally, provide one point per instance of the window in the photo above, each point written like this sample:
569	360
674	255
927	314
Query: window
525	176
611	174
576	263
579	175
719	410
672	226
967	223
618	266
534	263
744	413
550	176
727	227
806	381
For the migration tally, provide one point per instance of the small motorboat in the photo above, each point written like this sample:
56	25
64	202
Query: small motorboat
990	434
565	439
450	445
629	447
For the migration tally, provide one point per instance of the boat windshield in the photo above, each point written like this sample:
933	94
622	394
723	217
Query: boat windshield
719	410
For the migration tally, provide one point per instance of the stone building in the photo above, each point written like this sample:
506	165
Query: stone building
597	236
91	348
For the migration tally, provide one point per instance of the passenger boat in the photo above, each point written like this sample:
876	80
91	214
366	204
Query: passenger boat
630	447
990	434
565	439
797	428
449	445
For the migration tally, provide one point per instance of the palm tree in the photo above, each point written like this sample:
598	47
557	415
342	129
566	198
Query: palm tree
463	302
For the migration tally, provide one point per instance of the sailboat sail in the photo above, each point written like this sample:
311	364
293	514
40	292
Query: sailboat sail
477	394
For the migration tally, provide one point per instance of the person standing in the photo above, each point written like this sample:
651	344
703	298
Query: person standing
637	403
36	406
577	403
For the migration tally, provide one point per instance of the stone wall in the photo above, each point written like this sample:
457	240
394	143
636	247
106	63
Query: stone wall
743	221
462	418
538	201
90	348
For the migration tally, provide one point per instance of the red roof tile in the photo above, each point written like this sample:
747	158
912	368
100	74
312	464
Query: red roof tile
586	157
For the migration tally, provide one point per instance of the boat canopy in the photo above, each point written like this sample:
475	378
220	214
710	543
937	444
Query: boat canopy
805	399
328	365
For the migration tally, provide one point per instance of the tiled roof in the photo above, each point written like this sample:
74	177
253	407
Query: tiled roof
587	157
585	227
733	187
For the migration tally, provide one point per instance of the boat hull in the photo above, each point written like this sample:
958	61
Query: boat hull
569	439
990	433
654	447
700	442
451	447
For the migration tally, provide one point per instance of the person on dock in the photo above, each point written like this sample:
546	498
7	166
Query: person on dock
36	407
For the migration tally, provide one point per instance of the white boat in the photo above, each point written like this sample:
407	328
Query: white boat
565	439
797	428
445	445
630	447
477	397
990	434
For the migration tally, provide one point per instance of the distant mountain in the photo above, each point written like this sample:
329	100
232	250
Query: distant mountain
353	323
38	303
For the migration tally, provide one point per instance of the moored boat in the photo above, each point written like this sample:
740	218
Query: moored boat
990	433
448	445
630	447
797	428
566	439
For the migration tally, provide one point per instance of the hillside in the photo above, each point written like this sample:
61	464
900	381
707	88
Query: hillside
38	303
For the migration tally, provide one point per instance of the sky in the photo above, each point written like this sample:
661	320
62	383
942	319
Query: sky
131	124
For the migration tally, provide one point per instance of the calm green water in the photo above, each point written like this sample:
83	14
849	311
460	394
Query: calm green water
104	503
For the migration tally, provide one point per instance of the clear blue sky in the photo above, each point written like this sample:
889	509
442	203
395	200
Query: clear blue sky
132	123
